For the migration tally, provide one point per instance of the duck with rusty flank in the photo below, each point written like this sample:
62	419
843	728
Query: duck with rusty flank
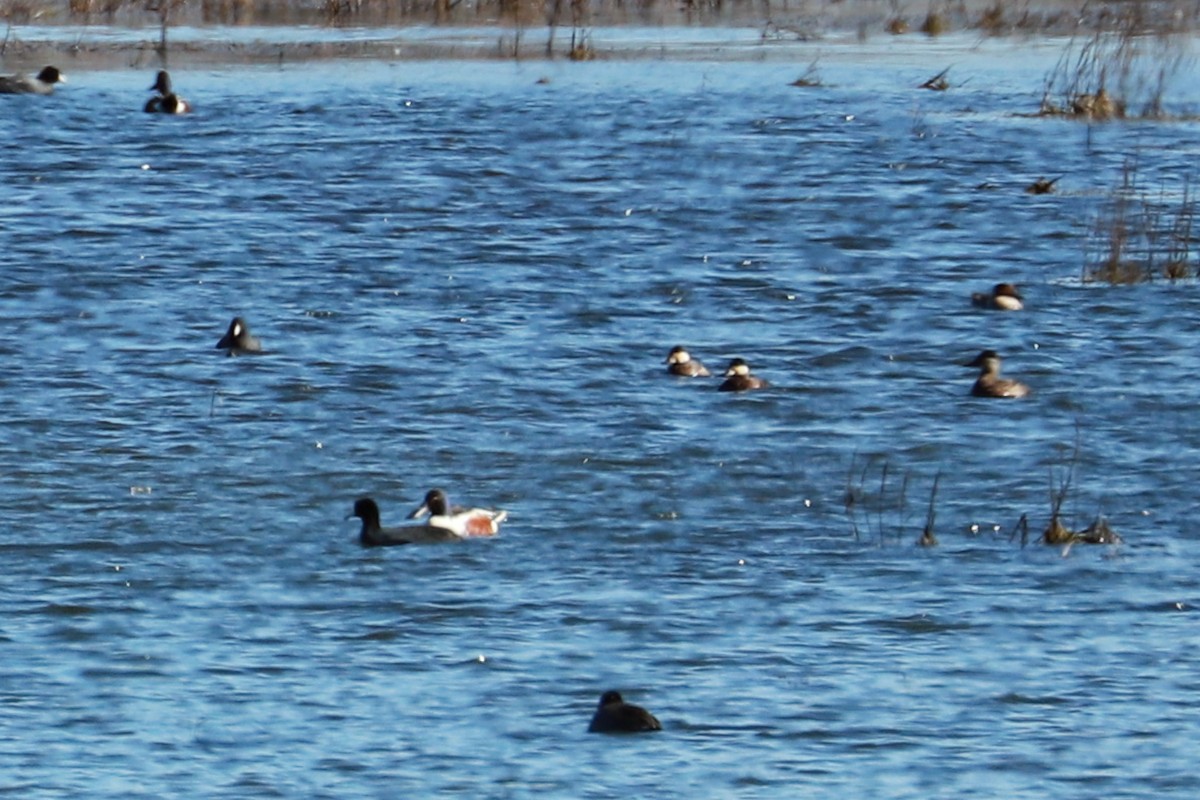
462	521
1003	297
680	362
989	383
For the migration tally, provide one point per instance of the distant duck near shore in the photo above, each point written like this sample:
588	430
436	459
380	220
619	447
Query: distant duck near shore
42	83
165	101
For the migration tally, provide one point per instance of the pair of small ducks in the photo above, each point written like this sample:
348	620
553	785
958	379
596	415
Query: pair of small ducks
42	83
165	101
737	374
1002	297
446	523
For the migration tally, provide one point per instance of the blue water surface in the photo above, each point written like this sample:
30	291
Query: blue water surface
467	275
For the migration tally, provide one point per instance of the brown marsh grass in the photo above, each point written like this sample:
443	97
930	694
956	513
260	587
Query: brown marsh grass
1125	68
1140	236
804	19
520	25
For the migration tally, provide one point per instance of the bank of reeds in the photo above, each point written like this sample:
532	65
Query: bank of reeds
1116	72
784	18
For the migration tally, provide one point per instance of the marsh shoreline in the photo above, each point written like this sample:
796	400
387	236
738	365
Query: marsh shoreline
740	35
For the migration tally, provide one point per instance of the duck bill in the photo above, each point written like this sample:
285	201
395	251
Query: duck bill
419	511
226	342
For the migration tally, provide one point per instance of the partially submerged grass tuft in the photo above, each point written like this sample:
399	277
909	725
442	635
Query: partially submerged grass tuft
1138	236
1116	72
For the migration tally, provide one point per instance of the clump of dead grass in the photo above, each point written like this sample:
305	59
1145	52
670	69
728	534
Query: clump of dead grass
1140	236
1112	74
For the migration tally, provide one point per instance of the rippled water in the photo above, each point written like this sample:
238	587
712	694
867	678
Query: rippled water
467	278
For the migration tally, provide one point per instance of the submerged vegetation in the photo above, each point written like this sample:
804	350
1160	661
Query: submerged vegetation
876	505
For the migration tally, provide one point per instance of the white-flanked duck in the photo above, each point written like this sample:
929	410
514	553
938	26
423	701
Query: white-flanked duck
680	362
989	383
1003	297
42	83
614	715
463	522
238	339
373	534
165	101
739	379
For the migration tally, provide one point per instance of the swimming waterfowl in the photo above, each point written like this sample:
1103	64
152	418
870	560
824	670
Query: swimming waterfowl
1042	186
168	104
461	521
739	379
43	83
1003	297
373	534
614	715
989	383
165	101
680	362
238	340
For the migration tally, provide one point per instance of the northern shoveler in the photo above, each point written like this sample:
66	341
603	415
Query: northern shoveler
461	521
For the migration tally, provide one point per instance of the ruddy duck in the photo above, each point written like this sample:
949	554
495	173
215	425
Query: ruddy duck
1003	297
462	522
614	715
680	362
375	535
23	84
165	101
237	340
989	383
739	379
